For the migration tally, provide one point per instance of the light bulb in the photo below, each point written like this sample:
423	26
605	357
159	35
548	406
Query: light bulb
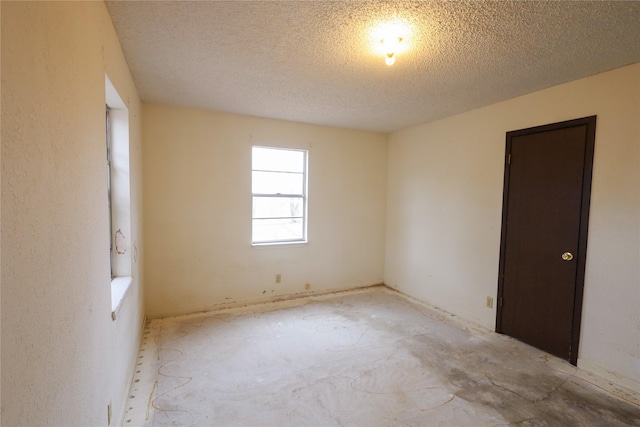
390	59
391	45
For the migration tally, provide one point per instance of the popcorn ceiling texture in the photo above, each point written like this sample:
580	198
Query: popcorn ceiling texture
315	62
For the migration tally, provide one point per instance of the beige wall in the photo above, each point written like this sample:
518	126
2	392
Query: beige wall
444	212
63	358
197	172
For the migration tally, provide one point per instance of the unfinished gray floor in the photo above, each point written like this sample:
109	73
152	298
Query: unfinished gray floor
359	359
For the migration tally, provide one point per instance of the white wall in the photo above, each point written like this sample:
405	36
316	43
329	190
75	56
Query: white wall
444	208
197	172
63	358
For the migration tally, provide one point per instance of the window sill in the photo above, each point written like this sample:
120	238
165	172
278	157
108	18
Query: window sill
119	289
298	242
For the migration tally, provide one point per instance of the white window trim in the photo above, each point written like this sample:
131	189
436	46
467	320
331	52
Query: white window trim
304	195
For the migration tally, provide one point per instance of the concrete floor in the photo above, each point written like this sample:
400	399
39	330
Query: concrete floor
368	358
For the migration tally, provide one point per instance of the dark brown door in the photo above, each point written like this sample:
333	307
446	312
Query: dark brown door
544	235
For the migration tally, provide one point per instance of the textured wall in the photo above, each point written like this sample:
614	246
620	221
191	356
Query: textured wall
197	173
63	358
444	209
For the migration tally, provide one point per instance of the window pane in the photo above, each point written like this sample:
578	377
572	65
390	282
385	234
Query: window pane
277	182
271	230
277	207
273	159
279	194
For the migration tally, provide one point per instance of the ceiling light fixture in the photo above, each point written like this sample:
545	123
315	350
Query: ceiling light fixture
391	45
391	38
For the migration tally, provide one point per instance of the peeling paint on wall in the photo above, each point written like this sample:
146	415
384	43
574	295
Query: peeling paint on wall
121	243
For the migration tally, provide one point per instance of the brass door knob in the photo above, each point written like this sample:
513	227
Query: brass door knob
567	256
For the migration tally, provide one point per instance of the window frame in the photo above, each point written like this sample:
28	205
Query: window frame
109	193
303	196
122	247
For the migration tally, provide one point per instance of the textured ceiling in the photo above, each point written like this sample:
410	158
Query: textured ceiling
315	61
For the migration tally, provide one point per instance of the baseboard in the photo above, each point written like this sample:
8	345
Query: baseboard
621	387
228	305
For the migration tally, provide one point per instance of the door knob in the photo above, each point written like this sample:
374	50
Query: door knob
567	256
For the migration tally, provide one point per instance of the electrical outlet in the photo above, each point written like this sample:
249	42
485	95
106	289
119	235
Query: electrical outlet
489	302
278	278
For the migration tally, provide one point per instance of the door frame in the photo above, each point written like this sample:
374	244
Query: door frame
581	256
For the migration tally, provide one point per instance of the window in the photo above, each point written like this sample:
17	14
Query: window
279	188
119	195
